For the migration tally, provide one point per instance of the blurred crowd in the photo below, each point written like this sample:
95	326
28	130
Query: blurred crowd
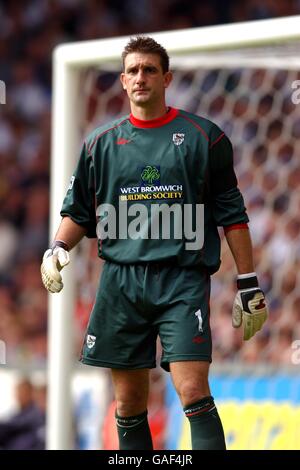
25	427
29	32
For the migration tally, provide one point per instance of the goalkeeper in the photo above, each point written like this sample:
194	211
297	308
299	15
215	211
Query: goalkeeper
155	285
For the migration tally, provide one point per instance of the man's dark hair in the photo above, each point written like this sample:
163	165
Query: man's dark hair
147	45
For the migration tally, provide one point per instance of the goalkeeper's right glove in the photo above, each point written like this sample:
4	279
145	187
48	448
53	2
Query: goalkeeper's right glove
54	259
249	306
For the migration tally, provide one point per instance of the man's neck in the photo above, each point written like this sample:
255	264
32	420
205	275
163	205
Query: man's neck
146	114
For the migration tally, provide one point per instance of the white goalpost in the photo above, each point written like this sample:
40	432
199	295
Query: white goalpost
261	44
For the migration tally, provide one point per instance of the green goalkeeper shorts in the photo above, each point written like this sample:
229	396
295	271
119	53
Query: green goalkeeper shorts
137	303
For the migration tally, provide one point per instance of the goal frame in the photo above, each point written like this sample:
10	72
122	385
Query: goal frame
68	62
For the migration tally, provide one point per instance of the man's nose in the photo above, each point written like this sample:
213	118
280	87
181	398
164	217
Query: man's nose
140	76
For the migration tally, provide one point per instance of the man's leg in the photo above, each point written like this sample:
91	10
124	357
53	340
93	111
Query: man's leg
190	379
131	392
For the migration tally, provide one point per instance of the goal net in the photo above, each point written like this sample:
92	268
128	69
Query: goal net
245	78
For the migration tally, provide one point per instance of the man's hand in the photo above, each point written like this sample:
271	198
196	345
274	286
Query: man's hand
54	260
249	306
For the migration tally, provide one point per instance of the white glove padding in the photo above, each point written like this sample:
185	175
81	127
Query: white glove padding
53	262
250	309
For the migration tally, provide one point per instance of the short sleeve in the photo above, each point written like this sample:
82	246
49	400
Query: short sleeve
221	165
79	202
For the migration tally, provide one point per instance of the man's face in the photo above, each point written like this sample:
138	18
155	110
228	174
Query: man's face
144	80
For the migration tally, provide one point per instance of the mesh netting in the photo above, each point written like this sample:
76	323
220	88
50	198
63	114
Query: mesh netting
255	109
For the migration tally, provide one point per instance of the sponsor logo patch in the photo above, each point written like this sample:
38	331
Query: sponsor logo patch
90	341
150	175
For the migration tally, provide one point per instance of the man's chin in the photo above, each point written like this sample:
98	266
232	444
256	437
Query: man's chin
141	101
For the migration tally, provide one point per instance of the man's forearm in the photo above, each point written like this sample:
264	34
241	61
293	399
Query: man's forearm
240	244
70	232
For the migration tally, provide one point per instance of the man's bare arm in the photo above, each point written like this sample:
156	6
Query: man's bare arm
70	232
240	245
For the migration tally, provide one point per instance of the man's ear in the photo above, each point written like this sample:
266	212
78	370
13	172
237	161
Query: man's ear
123	81
168	78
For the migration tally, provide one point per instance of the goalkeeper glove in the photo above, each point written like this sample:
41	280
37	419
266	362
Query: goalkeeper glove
249	306
54	259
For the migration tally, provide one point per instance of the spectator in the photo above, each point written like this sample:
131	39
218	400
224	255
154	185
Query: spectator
24	430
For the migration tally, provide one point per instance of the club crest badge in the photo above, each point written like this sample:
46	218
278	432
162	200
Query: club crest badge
90	341
178	138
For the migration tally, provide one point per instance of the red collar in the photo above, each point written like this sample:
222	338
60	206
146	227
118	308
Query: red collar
158	122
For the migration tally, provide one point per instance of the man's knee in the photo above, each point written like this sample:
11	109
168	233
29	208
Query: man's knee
131	392
190	379
131	403
191	391
131	400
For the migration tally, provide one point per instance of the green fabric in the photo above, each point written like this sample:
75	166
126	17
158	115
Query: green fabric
134	432
206	427
135	303
186	161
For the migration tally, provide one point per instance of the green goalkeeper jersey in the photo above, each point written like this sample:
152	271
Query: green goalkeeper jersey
146	188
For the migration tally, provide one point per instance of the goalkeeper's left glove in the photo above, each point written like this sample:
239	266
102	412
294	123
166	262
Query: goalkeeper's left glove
54	259
249	306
